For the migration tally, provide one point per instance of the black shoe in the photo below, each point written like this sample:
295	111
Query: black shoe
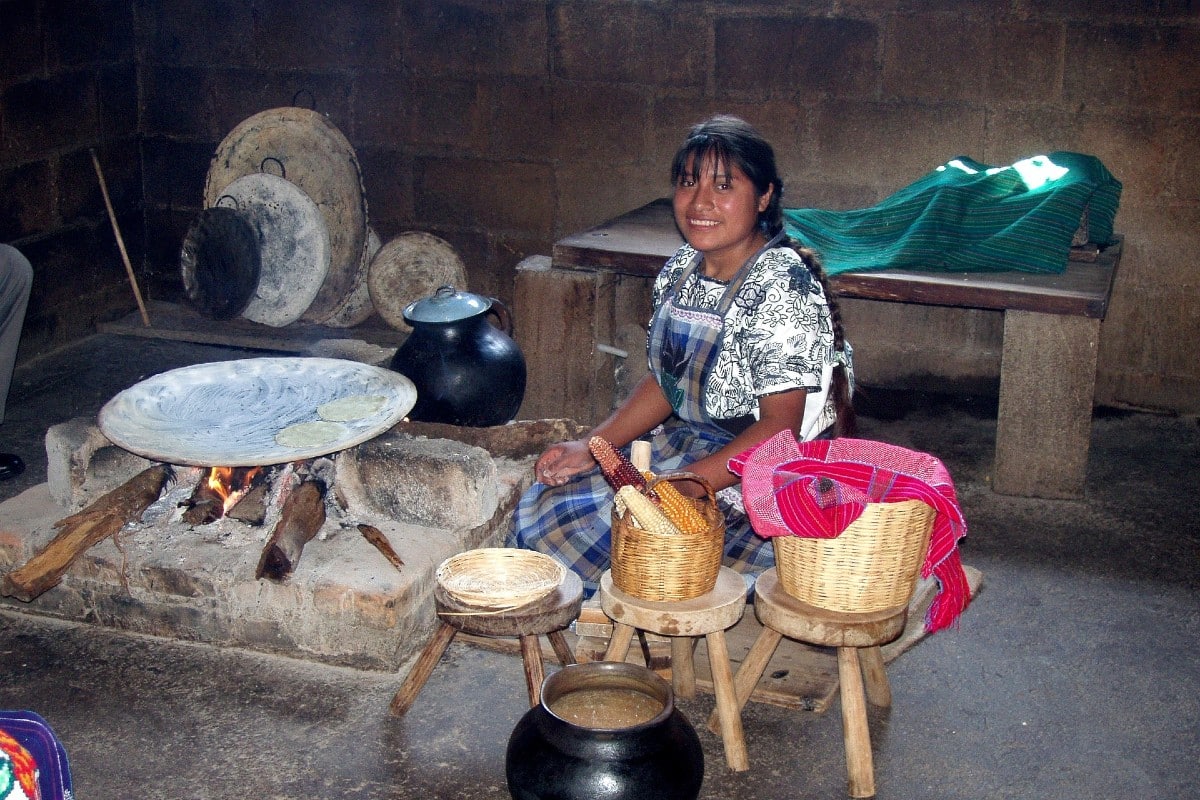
10	466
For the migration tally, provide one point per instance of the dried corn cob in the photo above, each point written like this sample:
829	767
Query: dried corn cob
678	509
617	469
642	512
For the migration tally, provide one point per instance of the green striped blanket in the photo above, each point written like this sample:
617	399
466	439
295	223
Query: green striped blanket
968	216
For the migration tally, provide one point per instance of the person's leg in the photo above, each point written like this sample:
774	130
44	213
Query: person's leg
16	280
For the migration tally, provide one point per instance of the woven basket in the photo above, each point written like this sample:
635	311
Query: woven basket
499	578
657	566
872	566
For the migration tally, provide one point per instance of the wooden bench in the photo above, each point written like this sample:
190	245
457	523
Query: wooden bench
1050	347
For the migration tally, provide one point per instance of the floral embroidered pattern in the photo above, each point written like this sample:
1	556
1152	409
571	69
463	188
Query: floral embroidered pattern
778	333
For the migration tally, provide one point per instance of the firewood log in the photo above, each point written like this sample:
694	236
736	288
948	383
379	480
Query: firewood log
376	537
80	531
204	506
302	516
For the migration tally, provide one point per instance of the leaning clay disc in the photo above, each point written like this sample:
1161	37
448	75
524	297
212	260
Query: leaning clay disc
411	267
356	307
307	149
219	262
293	246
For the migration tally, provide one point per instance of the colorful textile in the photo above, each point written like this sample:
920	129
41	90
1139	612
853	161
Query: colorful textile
33	763
969	216
818	488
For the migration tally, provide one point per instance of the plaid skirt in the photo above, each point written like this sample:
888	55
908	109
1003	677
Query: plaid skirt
573	522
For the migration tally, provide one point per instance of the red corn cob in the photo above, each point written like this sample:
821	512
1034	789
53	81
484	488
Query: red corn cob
617	469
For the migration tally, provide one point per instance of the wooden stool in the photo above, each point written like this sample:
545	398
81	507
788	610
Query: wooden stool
857	638
548	616
708	615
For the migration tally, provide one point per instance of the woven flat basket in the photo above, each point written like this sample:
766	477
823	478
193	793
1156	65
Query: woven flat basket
493	579
872	566
657	566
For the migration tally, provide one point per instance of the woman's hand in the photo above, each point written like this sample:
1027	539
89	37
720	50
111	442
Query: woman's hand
563	461
645	407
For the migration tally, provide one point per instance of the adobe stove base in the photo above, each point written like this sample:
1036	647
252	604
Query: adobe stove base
344	604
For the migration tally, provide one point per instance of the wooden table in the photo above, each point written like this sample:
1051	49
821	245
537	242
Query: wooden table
1050	347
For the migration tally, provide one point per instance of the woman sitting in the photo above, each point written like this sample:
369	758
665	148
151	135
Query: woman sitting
745	341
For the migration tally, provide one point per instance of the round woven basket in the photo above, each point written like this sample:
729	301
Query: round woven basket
657	566
872	566
499	578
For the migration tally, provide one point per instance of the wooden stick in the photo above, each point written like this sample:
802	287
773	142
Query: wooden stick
112	218
303	515
376	537
79	532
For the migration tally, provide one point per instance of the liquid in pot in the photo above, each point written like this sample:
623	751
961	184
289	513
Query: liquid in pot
606	708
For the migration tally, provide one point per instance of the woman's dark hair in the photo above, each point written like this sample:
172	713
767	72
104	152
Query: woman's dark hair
725	140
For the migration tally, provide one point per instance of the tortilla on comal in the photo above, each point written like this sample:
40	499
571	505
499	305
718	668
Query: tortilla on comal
351	408
309	434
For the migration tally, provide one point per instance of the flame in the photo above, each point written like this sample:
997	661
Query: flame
231	484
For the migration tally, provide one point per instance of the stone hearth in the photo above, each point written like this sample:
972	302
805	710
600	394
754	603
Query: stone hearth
432	490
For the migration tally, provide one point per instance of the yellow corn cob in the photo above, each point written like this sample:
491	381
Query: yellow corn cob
677	508
643	513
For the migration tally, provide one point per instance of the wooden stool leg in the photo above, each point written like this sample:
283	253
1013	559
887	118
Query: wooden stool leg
422	669
750	671
727	707
561	648
879	691
535	673
859	766
683	667
618	643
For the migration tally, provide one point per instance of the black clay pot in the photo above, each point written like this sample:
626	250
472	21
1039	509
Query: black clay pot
467	371
556	753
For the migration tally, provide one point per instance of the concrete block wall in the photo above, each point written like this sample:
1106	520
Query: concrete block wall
503	126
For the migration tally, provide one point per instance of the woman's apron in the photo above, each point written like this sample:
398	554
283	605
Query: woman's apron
572	522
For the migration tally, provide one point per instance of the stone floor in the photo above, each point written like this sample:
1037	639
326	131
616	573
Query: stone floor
1073	674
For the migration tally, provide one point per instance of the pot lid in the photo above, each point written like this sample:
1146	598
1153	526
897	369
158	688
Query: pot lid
447	304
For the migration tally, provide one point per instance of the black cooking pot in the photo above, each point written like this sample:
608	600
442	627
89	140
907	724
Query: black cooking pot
602	747
467	371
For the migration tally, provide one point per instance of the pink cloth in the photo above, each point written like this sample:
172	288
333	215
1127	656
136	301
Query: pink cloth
818	488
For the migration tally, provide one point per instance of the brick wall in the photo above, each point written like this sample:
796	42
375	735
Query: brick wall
501	126
68	84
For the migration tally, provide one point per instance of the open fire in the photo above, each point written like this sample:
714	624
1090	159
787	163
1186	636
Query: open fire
220	492
231	484
292	494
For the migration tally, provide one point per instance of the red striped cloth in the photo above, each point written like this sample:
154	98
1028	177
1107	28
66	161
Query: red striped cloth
818	488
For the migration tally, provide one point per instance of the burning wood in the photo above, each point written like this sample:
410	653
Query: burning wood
79	532
303	515
219	492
